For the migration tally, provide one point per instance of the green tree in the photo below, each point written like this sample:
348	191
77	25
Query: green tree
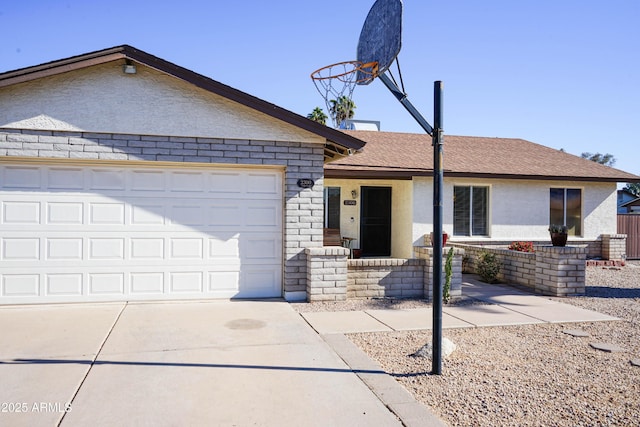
633	188
317	115
603	159
342	109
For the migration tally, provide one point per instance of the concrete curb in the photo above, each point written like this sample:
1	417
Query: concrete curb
390	393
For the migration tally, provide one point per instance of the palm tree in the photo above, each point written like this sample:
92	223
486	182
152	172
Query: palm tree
317	115
342	109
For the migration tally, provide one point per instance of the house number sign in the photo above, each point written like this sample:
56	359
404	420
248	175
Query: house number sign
305	183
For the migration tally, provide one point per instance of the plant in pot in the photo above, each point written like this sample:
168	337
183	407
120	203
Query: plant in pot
559	234
445	236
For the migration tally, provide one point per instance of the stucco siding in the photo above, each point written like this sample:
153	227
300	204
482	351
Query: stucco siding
104	99
401	215
518	210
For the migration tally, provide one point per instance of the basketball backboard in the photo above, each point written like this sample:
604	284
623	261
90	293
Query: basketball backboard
380	38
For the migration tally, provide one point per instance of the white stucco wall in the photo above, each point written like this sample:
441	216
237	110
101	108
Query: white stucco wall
104	99
518	210
401	212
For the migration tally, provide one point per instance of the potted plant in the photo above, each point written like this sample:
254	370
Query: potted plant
445	236
558	234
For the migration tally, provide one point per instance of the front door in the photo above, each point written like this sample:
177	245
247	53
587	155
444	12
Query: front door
375	221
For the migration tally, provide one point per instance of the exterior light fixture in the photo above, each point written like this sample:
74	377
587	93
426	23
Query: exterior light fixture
129	67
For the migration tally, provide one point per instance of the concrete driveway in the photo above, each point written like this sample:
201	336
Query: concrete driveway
180	363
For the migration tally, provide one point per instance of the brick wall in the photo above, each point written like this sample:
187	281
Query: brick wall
560	271
327	273
550	270
303	212
614	247
331	276
376	278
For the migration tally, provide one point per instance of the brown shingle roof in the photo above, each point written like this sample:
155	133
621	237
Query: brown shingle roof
399	155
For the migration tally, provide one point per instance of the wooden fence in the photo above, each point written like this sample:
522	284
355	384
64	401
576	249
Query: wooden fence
630	225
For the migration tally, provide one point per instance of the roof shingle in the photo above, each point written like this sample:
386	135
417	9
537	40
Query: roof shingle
409	154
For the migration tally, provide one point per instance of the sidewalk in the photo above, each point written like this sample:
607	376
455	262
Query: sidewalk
497	306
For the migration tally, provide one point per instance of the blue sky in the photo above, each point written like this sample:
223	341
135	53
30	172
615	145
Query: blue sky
562	73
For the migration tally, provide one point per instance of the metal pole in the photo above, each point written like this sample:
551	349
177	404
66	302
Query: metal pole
437	227
402	97
436	134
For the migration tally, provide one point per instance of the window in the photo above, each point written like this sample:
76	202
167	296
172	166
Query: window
332	207
470	211
566	209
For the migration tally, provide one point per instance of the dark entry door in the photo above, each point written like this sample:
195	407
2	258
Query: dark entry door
375	221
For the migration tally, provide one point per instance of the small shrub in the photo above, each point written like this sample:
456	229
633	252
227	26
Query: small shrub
448	273
522	246
488	267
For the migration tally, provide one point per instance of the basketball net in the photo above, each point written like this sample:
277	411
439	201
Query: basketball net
336	83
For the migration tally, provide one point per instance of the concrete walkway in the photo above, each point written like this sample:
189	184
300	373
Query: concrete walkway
224	363
180	363
498	306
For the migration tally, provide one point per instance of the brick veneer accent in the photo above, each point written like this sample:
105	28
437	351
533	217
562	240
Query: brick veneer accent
377	278
327	273
560	271
331	276
614	247
303	209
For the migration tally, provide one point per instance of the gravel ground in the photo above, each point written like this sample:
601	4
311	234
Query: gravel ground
533	375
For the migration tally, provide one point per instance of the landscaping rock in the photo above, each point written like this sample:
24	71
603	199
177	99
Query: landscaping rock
426	350
610	348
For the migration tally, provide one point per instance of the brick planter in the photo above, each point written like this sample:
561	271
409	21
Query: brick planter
550	270
560	271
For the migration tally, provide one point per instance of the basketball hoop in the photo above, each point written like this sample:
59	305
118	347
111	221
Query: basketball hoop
337	81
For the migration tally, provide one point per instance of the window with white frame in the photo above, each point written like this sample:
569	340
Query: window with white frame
565	208
470	211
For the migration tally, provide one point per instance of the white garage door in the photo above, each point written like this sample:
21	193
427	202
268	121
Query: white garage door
91	233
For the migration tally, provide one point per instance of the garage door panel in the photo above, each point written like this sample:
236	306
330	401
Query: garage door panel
227	182
106	179
224	283
146	248
104	234
106	284
187	182
64	284
147	283
186	281
189	248
64	213
19	212
64	249
21	249
265	184
148	214
258	281
20	285
65	179
146	181
224	248
106	249
21	177
223	214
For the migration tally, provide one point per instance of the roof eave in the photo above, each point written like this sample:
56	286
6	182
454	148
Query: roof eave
346	143
371	173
